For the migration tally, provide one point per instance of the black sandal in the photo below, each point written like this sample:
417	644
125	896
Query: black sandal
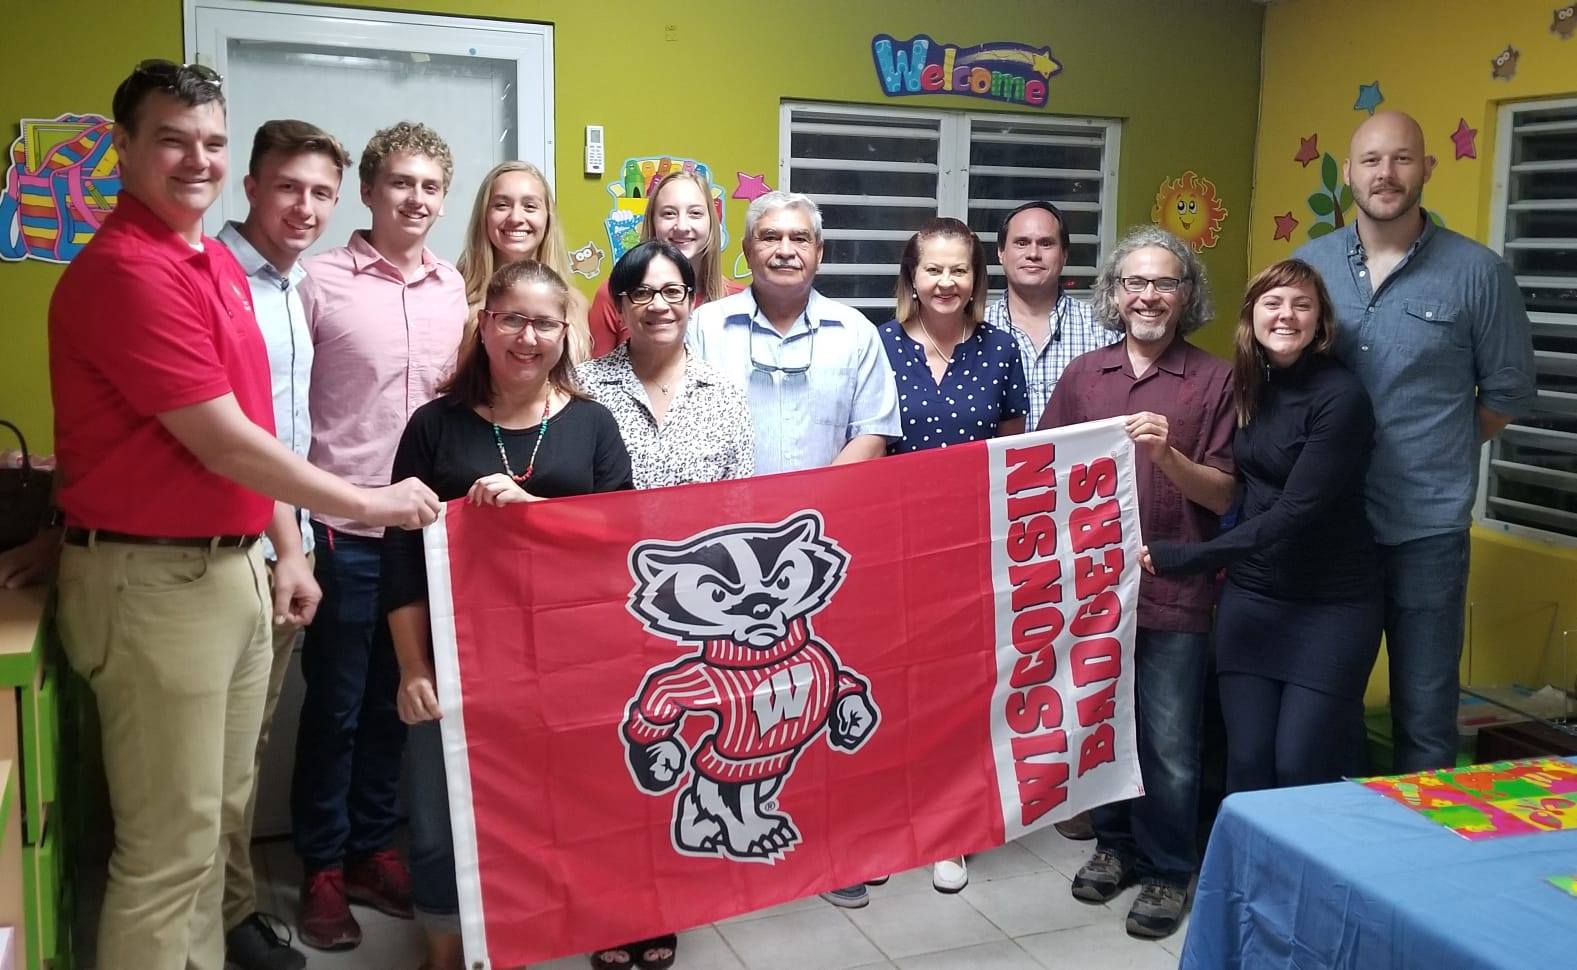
669	942
601	958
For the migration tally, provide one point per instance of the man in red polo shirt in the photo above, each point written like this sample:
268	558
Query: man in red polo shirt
165	436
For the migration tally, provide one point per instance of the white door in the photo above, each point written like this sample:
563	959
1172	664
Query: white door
486	86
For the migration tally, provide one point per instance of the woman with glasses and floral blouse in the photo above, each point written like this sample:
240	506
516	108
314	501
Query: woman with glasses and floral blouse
511	426
682	421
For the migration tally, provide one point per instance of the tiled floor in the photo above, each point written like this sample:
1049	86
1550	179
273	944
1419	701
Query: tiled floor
1016	914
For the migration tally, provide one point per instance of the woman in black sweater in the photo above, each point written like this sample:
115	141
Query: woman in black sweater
511	426
1298	625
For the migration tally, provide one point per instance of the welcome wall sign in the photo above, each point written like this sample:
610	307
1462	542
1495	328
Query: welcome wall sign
1004	71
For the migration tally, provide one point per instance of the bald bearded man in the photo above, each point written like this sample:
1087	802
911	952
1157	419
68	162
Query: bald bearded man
1434	326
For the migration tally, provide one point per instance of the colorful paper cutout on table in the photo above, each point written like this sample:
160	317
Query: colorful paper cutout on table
1007	71
1308	150
1369	97
1565	22
1330	201
1189	208
63	180
587	261
1285	223
1490	800
1462	140
750	187
630	192
1504	66
1567	884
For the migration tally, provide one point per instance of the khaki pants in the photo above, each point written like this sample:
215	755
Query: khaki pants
174	643
240	896
240	884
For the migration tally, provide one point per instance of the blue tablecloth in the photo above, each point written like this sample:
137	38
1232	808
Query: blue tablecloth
1340	876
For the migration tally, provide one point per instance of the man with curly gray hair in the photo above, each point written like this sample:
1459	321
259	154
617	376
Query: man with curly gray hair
1177	402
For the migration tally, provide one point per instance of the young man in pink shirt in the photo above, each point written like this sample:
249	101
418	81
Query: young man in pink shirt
386	317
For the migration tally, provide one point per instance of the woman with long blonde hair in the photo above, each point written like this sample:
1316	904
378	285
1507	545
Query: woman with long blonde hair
680	212
514	218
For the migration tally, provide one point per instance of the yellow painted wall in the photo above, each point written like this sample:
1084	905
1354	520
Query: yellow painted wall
1432	58
704	80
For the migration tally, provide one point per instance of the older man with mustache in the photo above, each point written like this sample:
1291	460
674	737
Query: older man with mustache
1434	326
820	387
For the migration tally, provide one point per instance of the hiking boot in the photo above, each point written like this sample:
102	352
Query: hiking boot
849	897
381	881
1157	911
325	922
254	945
1103	877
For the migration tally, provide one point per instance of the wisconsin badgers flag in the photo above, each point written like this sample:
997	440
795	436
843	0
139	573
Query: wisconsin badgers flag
663	708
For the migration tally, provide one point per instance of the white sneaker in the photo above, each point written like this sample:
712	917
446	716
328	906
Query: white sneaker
949	875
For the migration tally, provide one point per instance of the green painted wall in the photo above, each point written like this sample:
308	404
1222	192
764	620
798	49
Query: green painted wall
704	80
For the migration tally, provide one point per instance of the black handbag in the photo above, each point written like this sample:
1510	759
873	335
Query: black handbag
24	498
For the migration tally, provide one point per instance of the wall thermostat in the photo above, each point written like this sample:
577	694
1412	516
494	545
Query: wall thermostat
594	153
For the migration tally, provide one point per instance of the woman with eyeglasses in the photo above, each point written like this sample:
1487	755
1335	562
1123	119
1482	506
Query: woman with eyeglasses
514	218
512	425
1298	623
959	379
681	213
681	420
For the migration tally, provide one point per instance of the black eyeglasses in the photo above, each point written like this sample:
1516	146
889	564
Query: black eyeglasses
779	369
673	294
172	75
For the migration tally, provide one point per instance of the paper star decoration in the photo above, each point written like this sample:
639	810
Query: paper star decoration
1308	149
1462	140
751	187
1369	97
1285	223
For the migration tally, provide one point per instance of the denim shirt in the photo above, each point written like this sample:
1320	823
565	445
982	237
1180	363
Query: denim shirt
812	390
1445	332
284	324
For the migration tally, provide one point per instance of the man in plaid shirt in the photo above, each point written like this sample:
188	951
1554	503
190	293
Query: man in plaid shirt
1050	326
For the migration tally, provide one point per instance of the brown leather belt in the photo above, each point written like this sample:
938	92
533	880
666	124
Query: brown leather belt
78	536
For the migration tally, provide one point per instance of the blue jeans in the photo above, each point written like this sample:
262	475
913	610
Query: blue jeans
344	797
1156	831
1425	596
433	889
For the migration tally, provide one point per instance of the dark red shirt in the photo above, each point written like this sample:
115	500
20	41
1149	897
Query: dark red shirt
1193	390
141	323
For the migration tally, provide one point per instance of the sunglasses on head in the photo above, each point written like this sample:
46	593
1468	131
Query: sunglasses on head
172	75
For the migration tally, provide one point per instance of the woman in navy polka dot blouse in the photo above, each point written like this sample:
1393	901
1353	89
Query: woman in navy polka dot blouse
959	379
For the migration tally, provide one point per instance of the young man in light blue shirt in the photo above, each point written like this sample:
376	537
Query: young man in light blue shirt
292	185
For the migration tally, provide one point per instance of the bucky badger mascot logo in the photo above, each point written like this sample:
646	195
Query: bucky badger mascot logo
744	594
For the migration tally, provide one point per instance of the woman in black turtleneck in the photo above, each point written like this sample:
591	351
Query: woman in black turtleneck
1298	626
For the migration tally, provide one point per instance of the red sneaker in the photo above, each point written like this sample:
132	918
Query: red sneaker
325	922
381	881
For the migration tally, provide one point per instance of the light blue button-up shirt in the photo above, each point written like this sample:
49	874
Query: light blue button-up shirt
1444	333
812	390
284	324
